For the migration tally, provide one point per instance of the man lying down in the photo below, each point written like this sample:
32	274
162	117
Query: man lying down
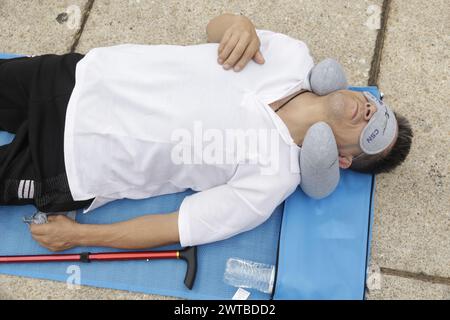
136	121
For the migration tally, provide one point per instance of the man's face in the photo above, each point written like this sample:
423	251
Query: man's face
349	113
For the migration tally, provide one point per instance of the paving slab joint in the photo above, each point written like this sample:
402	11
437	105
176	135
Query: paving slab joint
86	13
379	44
416	276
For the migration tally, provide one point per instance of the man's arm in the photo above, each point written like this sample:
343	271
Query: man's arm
62	233
238	40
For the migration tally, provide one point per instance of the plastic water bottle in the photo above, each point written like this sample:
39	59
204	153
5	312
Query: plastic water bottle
249	274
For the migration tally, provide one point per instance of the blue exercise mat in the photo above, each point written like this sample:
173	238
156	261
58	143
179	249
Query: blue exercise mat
164	277
325	244
304	269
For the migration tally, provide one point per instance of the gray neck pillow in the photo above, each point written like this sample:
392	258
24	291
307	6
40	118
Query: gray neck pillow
319	157
319	162
327	76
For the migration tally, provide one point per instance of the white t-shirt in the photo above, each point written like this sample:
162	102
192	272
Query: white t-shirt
147	120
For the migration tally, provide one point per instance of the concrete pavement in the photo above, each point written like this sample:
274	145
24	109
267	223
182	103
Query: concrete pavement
412	208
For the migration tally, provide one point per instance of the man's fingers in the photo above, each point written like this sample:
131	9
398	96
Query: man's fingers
38	229
247	56
51	218
258	58
228	48
226	45
41	229
226	37
236	50
36	237
40	240
237	53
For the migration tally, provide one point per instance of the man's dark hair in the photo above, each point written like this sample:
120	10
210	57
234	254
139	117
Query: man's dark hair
382	162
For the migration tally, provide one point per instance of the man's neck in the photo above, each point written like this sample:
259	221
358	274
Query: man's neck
300	113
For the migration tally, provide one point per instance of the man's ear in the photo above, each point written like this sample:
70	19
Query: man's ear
345	162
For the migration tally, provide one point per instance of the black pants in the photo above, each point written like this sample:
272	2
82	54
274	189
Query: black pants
34	93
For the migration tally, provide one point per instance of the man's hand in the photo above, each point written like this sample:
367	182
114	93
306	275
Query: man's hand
62	233
56	235
239	42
